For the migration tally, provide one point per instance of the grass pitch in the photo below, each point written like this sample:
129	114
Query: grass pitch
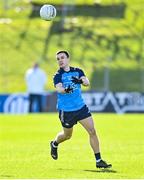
25	151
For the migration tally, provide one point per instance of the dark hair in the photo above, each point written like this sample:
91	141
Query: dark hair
65	52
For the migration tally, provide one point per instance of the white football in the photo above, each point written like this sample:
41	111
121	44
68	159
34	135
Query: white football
47	12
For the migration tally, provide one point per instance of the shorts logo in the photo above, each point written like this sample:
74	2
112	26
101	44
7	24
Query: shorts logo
62	116
66	124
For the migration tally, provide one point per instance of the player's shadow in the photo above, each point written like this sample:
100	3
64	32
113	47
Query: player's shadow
101	170
6	176
94	171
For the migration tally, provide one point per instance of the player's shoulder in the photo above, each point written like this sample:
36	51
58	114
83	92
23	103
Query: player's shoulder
58	73
78	70
75	69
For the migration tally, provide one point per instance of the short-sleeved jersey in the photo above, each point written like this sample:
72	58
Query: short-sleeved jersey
69	101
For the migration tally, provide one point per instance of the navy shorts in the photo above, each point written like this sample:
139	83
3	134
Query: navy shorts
69	119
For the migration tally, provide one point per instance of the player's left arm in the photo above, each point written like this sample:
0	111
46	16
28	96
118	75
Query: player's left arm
85	81
82	79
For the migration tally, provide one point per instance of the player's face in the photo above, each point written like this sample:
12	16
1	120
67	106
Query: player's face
63	60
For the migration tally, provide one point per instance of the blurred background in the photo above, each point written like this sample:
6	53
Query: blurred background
104	37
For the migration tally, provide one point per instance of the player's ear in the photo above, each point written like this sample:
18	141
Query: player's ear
68	60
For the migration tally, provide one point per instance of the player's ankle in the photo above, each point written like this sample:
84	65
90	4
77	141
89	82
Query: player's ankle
98	157
55	144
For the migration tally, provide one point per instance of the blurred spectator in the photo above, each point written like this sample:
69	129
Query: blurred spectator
35	79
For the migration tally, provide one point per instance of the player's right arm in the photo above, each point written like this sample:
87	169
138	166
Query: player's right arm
58	82
60	88
59	85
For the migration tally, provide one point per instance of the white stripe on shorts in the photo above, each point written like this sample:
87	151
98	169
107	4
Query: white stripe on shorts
62	116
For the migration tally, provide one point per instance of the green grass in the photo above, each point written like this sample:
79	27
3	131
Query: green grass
25	152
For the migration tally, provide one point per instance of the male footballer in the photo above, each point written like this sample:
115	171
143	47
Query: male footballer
71	107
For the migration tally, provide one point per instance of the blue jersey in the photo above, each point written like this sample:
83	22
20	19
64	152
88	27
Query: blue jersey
69	101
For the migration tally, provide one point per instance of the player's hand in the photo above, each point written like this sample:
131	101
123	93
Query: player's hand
69	89
76	80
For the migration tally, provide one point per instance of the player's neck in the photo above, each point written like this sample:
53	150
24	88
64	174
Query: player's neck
67	68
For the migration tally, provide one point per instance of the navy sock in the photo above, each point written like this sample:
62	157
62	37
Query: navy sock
98	157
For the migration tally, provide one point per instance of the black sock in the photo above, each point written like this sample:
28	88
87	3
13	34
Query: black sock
98	157
55	143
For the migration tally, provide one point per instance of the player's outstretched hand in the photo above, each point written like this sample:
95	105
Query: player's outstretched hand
76	80
69	89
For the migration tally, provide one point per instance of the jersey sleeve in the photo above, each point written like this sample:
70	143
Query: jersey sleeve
57	79
81	73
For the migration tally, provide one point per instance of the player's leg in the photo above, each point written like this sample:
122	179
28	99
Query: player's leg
64	135
61	137
88	124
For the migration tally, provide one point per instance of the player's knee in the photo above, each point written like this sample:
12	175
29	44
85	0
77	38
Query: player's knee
92	132
68	136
